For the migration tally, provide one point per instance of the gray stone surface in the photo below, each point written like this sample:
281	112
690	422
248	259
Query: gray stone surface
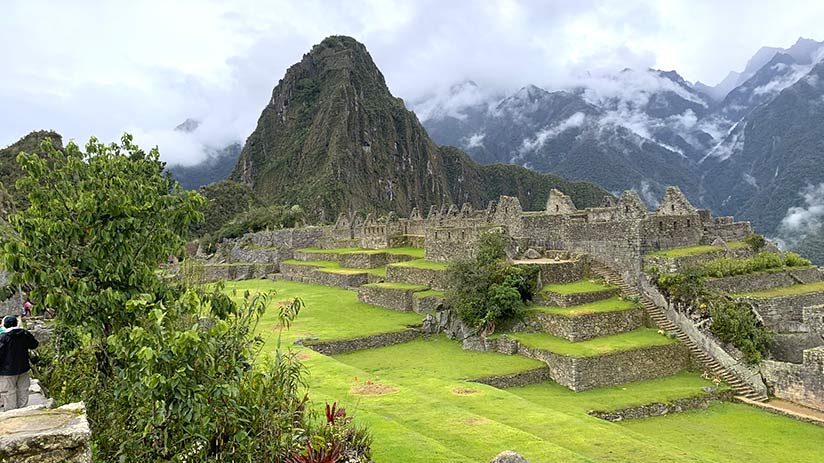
435	279
41	435
764	280
508	456
587	326
702	401
800	383
367	342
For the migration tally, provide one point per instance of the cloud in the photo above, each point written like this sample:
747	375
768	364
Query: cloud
802	221
74	66
475	141
547	133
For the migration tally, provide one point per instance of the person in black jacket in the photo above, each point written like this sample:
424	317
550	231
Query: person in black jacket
14	364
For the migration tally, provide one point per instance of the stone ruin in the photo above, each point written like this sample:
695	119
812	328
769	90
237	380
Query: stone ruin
618	233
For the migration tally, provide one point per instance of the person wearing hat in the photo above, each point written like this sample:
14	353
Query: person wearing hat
14	364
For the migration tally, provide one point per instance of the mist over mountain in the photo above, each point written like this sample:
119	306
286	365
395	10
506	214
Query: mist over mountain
749	146
333	138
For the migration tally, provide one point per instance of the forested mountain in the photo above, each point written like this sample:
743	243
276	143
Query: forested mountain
332	137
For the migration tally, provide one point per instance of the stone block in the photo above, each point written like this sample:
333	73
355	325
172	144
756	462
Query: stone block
587	326
41	435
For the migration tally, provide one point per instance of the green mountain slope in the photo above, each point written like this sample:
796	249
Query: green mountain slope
333	138
10	170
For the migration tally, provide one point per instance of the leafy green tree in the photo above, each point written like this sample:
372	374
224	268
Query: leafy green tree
98	224
487	289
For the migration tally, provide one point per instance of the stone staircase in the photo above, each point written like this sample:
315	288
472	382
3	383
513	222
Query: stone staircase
659	317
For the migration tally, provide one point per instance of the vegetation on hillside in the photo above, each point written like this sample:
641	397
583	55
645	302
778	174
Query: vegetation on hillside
12	197
168	372
254	220
487	289
224	201
733	321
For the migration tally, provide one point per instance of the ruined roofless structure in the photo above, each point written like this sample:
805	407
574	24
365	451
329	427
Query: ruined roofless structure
619	233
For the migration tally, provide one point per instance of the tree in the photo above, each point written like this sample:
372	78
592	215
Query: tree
98	224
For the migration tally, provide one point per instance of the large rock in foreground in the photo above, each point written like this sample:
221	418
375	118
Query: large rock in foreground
508	456
42	435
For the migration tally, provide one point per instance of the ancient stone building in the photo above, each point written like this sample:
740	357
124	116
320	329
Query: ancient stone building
618	233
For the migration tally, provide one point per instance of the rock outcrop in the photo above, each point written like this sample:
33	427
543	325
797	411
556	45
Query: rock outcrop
36	434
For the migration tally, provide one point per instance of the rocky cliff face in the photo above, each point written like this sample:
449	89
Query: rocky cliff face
332	137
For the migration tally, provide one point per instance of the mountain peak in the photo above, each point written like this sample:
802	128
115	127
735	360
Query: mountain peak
188	126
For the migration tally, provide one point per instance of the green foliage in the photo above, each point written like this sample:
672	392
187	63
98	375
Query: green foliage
792	259
12	197
261	218
729	266
734	322
168	373
487	289
755	241
224	201
99	222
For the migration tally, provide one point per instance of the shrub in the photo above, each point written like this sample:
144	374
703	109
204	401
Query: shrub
727	266
487	289
755	241
792	259
734	322
261	218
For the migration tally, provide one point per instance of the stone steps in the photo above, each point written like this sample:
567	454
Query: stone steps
658	316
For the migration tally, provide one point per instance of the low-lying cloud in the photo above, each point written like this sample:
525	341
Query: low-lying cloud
805	220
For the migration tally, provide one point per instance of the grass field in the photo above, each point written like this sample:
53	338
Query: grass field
577	287
642	337
793	290
416	401
686	251
334	267
330	313
613	304
423	263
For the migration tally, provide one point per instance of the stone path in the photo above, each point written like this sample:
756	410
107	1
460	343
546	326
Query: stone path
790	409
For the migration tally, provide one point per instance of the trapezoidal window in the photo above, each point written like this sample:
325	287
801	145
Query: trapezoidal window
673	207
557	208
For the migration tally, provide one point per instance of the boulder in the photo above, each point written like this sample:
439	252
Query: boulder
532	254
508	456
45	435
719	243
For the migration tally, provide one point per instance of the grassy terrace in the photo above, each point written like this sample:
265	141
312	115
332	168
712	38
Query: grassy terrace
394	285
405	251
334	267
613	304
430	293
642	337
580	286
696	250
330	313
793	290
423	263
415	401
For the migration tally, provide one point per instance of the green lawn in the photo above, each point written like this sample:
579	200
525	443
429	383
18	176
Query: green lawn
330	313
430	293
405	251
613	304
395	285
793	290
424	411
686	251
423	263
642	337
334	267
737	245
580	286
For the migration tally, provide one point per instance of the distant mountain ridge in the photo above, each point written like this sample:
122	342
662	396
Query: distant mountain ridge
747	147
333	138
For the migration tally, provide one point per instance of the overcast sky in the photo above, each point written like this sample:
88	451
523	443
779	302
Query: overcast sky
85	67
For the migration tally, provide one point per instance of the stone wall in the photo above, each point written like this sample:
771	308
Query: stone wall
587	326
785	314
391	298
435	279
549	298
520	379
764	280
561	272
452	243
663	408
584	373
366	342
231	272
803	384
428	304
